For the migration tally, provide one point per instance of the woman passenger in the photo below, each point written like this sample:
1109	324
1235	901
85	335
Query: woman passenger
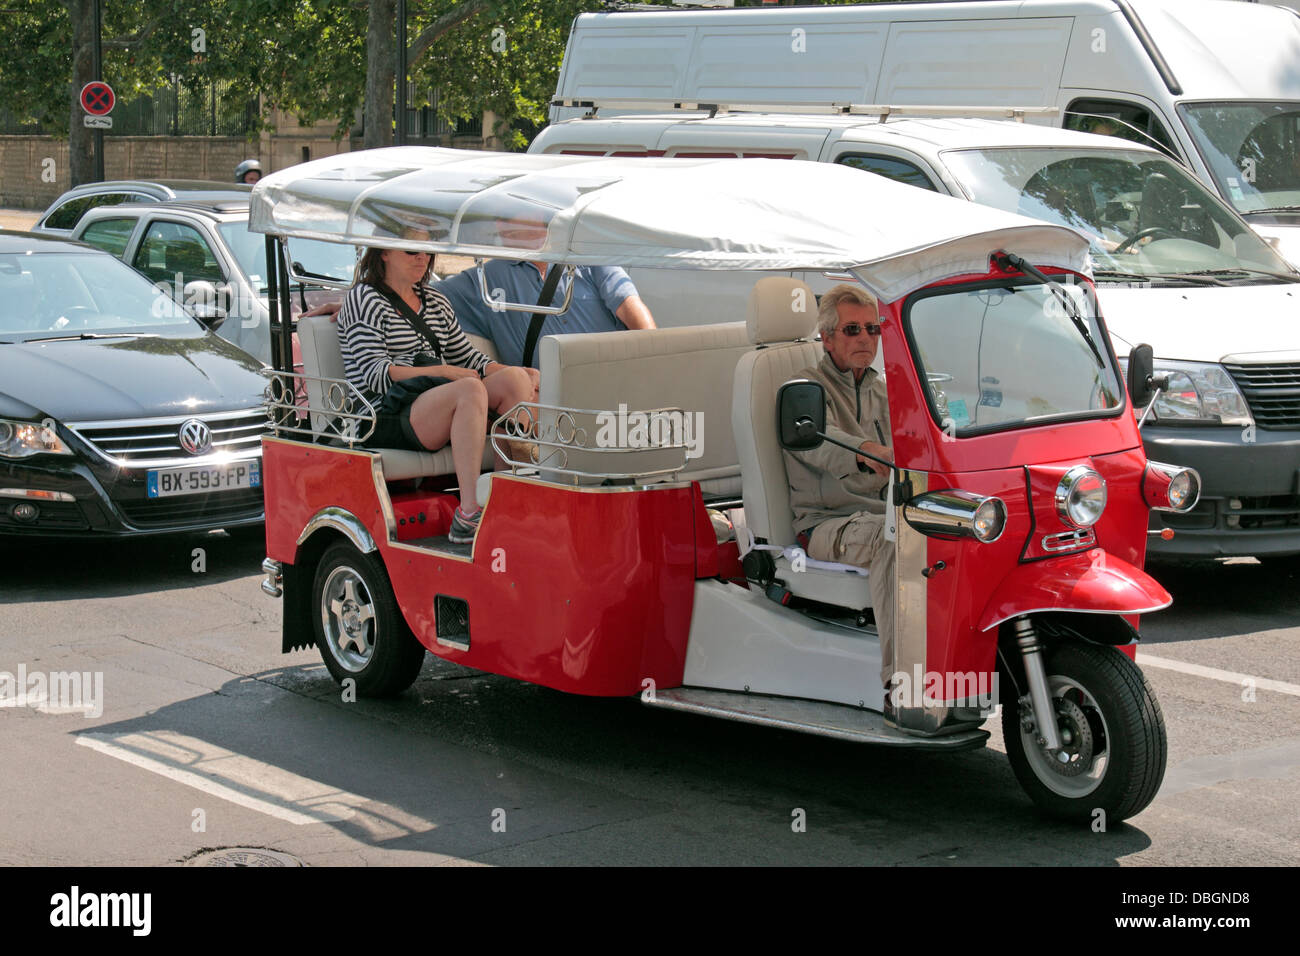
403	349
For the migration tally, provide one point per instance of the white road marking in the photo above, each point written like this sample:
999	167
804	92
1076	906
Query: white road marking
248	782
1232	677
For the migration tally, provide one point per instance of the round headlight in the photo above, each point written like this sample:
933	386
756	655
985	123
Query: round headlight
989	521
1081	497
1182	490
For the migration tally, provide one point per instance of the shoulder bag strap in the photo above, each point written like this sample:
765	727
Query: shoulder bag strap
413	318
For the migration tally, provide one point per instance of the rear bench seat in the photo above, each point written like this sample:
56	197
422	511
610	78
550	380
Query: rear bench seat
318	335
691	368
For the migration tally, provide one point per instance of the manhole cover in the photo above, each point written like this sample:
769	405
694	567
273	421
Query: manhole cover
242	856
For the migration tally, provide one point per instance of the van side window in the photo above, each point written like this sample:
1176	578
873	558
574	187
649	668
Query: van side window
899	170
1116	118
69	214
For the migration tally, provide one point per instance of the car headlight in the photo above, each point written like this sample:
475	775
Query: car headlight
24	439
1199	392
1081	497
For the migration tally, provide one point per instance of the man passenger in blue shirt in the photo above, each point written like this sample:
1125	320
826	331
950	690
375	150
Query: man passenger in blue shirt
604	299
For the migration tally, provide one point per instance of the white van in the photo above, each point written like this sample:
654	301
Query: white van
1214	83
1175	267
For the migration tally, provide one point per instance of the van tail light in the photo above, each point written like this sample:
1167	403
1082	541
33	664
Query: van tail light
954	513
1170	487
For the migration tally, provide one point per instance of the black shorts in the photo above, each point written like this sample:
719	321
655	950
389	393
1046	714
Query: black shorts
393	413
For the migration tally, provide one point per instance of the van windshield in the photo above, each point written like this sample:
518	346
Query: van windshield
1252	150
1145	216
1000	355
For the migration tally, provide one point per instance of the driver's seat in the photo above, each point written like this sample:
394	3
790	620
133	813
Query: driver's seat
783	336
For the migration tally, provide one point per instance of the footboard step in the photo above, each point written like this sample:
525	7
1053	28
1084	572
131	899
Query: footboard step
807	716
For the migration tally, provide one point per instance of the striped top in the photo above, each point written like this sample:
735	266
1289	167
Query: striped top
373	336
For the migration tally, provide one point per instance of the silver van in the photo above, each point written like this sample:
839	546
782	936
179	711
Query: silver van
1214	84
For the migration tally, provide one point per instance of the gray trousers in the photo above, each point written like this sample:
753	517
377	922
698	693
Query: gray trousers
860	539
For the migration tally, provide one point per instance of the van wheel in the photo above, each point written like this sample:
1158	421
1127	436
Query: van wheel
1112	731
360	631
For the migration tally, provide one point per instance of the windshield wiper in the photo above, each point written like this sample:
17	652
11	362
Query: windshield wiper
1272	209
1162	276
90	335
1249	270
1071	309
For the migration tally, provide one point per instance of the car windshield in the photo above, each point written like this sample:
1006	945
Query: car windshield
1144	215
60	294
1253	151
331	260
1000	355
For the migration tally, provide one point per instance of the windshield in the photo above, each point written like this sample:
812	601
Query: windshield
999	355
89	293
329	259
1251	150
1144	215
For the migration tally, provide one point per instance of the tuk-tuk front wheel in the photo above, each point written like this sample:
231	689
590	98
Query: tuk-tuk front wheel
359	628
1112	734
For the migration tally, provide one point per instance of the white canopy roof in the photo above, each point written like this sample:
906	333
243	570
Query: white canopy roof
759	214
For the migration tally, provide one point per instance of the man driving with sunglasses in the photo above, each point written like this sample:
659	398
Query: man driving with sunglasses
836	496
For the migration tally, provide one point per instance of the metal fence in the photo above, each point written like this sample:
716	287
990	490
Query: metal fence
206	109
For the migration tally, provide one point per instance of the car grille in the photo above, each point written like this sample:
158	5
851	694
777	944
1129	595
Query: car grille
156	441
1271	391
211	509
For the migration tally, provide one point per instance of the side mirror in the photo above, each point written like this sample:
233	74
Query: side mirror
204	302
1141	366
801	414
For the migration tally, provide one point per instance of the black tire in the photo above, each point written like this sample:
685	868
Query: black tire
1119	758
359	629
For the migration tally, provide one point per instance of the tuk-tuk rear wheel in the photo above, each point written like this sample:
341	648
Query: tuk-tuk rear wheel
359	628
1113	737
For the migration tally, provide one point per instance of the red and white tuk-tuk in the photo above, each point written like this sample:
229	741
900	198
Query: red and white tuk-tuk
641	543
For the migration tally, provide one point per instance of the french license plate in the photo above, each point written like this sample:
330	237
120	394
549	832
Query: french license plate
163	482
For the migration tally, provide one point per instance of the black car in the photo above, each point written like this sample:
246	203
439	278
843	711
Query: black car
120	413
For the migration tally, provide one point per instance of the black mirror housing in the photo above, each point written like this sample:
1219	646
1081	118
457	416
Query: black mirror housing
1141	367
801	414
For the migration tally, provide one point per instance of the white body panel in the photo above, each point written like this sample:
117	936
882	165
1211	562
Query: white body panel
739	640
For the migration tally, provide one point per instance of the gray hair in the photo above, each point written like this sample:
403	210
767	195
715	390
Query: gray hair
828	315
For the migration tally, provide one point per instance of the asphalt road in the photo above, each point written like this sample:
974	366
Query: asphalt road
210	738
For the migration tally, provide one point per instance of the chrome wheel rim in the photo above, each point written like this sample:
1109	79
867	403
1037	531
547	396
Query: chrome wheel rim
348	615
1085	740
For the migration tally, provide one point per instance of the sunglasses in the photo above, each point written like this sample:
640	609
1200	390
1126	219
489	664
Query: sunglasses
410	252
853	330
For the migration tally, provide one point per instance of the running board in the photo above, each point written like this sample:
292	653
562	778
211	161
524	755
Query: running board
807	716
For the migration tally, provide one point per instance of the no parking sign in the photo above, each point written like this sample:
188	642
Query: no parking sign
97	100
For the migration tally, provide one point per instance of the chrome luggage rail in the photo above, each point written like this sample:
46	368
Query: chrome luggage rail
347	415
545	438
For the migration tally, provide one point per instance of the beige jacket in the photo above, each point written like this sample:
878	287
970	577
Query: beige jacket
827	481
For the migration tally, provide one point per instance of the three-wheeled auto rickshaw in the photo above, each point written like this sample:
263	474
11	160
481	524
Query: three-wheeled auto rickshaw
638	539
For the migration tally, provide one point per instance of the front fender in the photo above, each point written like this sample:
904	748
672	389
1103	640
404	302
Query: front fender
1093	581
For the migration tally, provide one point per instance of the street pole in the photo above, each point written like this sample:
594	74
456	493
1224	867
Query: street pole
401	73
97	67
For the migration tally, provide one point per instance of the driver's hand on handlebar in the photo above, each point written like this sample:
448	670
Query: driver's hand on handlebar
881	451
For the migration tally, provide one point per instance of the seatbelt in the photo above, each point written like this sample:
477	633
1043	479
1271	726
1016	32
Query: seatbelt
535	326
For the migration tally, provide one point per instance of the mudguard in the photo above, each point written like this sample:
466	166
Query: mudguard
1092	582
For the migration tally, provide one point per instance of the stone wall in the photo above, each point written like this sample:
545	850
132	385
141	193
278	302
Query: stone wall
34	169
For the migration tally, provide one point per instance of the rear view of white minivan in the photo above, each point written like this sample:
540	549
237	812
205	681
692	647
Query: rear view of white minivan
1216	84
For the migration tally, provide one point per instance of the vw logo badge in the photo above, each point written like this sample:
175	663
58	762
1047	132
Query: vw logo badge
196	438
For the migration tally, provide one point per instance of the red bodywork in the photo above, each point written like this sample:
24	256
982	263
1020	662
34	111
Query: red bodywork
985	583
584	590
